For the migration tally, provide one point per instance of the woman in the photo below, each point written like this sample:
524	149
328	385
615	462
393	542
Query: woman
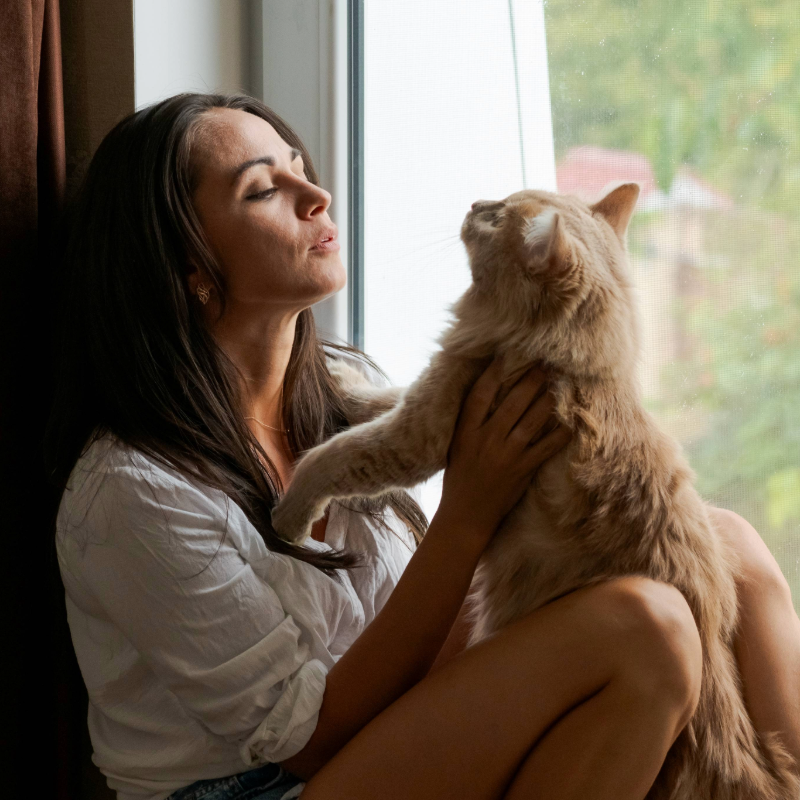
222	662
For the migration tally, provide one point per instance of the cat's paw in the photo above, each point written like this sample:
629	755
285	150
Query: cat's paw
292	518
346	375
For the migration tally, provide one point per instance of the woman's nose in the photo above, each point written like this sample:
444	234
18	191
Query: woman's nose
315	201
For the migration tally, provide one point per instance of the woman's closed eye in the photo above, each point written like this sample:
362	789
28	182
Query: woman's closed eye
265	194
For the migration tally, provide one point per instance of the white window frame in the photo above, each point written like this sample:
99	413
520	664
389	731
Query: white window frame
304	78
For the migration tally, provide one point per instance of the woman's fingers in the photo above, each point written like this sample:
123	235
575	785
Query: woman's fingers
480	398
488	467
518	400
532	423
546	447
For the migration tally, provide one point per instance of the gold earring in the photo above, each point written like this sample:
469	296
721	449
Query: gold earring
202	293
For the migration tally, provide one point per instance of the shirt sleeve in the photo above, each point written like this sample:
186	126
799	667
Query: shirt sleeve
154	555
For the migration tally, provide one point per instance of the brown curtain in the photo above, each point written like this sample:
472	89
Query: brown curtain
44	741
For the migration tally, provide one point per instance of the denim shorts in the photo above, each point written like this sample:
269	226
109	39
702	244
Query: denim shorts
270	782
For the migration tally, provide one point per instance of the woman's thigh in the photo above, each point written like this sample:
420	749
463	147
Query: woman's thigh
463	730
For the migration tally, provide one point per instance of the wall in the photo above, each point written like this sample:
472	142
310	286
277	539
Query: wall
283	52
190	45
121	54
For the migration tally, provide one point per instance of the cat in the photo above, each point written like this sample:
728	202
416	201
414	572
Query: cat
550	285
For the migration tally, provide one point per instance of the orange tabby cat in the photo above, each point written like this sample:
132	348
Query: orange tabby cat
551	285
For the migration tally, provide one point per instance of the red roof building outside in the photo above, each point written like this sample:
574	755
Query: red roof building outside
587	170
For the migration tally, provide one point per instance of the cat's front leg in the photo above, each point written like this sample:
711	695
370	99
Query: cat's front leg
396	451
365	461
364	400
304	502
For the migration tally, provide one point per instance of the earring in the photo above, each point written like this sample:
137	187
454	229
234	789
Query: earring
202	293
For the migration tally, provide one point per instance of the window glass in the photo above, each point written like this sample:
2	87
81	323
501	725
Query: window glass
456	109
699	101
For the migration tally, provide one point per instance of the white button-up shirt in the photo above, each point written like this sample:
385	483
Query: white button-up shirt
203	653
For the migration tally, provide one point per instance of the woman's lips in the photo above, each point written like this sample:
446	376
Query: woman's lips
328	246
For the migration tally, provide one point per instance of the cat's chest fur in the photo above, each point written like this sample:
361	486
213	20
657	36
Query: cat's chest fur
532	558
566	531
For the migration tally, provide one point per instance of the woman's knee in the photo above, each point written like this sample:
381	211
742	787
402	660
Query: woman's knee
659	647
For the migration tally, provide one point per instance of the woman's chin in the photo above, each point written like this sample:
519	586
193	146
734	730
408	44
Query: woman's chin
331	280
303	291
325	295
319	292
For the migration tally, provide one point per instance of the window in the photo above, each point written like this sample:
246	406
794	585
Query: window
456	108
697	101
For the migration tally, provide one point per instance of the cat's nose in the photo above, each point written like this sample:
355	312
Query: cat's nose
486	205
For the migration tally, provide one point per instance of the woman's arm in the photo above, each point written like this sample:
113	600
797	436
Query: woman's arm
490	465
768	639
397	648
458	637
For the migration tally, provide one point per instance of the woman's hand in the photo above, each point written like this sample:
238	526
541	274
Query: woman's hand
495	452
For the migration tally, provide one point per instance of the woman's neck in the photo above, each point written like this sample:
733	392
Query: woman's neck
260	345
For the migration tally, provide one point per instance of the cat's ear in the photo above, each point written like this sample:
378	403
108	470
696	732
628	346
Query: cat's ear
549	245
617	207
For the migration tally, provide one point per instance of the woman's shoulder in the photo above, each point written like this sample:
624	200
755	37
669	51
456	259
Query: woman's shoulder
112	477
107	454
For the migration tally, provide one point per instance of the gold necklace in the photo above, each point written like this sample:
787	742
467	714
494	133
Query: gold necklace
264	425
271	427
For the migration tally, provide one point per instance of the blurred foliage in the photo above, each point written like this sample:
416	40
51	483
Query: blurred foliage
743	319
714	85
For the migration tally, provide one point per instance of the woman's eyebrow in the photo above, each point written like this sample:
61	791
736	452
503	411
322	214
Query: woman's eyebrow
268	160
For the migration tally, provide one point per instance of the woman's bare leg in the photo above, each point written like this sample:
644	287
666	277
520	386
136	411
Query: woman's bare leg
608	747
619	656
768	639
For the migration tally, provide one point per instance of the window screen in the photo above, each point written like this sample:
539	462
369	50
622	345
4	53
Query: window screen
698	101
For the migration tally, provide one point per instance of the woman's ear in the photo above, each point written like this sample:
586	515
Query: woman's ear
617	207
194	277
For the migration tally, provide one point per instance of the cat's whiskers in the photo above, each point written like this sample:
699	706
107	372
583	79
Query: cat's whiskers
442	245
446	241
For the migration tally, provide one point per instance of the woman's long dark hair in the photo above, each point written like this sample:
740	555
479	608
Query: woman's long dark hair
136	358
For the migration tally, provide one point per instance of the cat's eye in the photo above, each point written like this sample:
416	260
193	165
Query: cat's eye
493	217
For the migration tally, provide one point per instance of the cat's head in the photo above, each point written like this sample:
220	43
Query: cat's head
552	272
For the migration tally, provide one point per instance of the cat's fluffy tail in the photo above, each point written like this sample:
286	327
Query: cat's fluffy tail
720	756
770	774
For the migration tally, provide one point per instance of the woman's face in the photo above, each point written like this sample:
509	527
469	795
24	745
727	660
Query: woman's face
263	219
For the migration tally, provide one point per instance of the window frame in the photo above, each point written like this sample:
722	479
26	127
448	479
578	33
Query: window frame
355	194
